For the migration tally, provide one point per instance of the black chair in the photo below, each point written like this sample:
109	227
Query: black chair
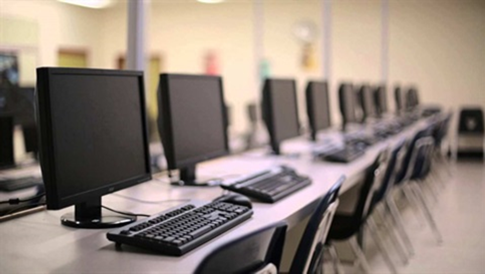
415	169
471	126
257	252
309	254
381	197
347	226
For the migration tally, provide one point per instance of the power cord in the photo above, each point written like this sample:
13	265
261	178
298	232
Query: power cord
125	213
150	202
16	201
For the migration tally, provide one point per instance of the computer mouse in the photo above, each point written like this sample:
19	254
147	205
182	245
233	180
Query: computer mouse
236	199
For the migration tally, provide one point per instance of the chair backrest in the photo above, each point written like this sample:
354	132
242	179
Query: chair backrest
422	157
257	252
471	121
442	129
395	159
374	175
406	169
309	254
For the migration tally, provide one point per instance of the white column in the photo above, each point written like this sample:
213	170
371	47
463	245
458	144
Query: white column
135	54
385	41
327	40
258	32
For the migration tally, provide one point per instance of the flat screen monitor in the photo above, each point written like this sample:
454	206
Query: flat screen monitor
94	139
366	96
280	111
380	99
6	144
18	103
347	102
318	107
399	99
412	98
191	123
9	70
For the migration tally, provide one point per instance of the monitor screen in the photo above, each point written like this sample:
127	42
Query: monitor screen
380	99
280	110
9	70
347	100
399	98
93	133
192	119
318	107
6	145
412	99
367	98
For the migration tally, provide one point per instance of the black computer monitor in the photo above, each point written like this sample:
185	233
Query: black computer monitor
18	103
191	123
399	99
412	99
366	96
280	111
6	144
9	70
94	139
318	107
347	103
380	100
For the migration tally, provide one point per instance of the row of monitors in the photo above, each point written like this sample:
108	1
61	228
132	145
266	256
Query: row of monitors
94	134
280	108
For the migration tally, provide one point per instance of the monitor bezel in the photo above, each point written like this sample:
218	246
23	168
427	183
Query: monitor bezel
47	144
165	122
310	104
349	87
363	89
268	113
380	99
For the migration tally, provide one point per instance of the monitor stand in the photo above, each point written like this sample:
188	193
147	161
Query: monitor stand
275	150
88	215
187	178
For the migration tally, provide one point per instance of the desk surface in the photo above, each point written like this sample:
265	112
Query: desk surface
39	243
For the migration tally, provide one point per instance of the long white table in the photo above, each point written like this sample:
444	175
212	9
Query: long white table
39	243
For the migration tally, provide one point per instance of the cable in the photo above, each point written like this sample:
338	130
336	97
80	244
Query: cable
16	201
150	202
125	213
24	207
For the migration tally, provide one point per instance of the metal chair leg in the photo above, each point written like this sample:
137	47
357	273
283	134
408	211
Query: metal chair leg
380	244
360	255
399	224
427	213
337	267
408	193
394	237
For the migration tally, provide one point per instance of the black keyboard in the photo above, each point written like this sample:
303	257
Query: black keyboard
176	232
343	155
269	186
13	184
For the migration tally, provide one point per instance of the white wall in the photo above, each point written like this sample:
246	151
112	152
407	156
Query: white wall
59	25
440	46
436	44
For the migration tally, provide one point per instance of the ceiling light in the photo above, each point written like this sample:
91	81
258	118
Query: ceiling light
210	1
93	4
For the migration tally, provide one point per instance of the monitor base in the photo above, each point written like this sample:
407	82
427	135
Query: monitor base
107	221
215	182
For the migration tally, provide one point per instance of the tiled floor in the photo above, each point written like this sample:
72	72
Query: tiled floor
460	215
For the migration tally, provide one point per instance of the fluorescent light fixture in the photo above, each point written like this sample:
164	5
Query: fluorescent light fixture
93	4
210	1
